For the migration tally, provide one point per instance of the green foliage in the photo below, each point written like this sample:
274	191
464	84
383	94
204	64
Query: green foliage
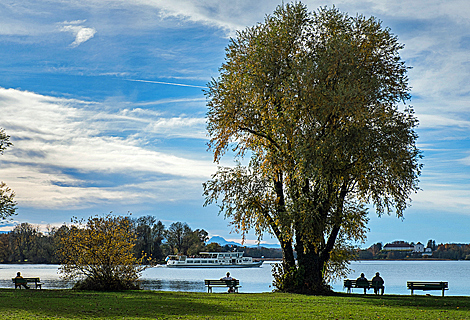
312	99
7	202
100	254
26	244
286	279
25	240
214	247
149	236
4	247
183	240
452	251
4	141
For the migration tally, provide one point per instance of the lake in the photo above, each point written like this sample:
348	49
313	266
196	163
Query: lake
395	274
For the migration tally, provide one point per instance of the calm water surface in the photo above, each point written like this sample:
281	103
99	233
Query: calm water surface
395	274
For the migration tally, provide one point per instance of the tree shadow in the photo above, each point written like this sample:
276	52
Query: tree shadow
125	304
432	302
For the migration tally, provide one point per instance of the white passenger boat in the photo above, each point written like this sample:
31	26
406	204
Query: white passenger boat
212	260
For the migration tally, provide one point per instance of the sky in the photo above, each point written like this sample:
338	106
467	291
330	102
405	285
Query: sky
104	103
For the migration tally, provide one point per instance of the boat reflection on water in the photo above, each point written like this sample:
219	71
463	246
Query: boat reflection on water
172	285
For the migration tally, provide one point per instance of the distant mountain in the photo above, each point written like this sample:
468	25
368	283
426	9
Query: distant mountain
221	241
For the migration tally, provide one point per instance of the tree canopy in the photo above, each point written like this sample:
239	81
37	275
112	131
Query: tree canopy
313	99
183	240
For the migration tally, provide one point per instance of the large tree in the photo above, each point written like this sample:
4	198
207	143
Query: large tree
149	236
313	100
7	202
24	242
183	240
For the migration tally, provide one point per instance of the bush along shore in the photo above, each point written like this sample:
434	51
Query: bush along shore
71	304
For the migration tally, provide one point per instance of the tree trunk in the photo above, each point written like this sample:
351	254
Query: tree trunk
287	254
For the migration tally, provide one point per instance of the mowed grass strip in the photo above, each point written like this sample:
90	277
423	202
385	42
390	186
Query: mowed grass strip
68	304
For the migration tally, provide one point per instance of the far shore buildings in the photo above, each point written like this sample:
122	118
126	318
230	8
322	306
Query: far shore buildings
405	246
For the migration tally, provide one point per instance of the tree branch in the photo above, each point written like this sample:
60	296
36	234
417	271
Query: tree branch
262	135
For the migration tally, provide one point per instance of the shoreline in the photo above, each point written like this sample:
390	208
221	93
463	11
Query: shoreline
409	259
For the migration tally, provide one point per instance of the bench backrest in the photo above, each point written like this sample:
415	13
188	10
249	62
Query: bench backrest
427	285
218	282
25	280
361	284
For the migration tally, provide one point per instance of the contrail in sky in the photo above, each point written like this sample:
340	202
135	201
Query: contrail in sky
168	83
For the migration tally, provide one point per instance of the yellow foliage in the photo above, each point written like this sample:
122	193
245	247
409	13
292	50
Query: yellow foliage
101	250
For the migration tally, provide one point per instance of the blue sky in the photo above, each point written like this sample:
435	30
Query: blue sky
104	104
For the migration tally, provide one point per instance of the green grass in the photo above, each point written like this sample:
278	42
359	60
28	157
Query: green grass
68	304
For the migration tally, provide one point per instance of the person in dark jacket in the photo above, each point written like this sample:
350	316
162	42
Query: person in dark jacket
378	283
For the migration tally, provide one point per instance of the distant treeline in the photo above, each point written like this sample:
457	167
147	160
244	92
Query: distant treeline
441	251
26	244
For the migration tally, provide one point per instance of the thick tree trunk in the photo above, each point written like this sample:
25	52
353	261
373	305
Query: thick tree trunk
310	270
287	254
311	267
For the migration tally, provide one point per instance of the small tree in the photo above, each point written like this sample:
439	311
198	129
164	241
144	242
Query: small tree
100	254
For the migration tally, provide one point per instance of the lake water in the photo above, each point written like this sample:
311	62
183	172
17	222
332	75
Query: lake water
395	274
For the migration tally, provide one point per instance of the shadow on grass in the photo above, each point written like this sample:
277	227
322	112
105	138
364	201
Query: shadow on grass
129	304
431	302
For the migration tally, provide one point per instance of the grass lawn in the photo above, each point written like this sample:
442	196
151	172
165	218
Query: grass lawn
68	304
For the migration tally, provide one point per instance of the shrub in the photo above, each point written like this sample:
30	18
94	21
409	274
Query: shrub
99	253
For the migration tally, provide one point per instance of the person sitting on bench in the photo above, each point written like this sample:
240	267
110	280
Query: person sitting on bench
228	277
378	282
18	276
362	282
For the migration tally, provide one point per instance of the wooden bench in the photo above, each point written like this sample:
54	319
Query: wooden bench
427	285
23	281
235	284
349	284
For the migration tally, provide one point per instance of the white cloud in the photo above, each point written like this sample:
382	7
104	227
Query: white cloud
445	198
438	121
429	9
53	136
167	83
81	33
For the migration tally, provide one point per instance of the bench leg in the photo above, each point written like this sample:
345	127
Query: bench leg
442	291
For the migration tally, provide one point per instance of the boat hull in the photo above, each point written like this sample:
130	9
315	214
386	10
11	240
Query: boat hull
183	265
